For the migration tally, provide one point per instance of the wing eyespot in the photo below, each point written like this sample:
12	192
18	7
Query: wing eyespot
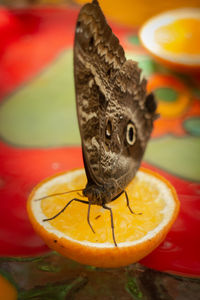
91	43
130	134
78	27
108	131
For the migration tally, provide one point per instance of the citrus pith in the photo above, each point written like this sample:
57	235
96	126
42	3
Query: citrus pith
151	197
171	38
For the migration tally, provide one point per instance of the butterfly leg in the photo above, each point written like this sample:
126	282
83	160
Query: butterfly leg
63	209
88	217
112	223
128	204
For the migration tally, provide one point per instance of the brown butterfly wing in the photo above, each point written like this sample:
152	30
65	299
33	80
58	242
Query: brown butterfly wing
110	96
97	57
129	117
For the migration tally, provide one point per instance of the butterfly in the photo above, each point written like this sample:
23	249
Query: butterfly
115	113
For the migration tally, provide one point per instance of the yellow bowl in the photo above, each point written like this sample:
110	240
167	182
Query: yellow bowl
172	38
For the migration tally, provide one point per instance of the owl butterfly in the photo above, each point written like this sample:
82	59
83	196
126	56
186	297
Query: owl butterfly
115	113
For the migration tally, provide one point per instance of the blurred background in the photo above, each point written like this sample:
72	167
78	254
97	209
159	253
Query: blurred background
129	12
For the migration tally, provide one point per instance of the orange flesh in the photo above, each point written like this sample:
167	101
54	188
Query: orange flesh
128	227
180	36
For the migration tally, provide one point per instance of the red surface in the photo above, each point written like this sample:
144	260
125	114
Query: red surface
180	252
30	40
21	170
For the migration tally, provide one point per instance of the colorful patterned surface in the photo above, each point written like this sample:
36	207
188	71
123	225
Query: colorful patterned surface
39	132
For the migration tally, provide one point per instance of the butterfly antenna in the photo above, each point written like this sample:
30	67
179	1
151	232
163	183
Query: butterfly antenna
58	194
80	194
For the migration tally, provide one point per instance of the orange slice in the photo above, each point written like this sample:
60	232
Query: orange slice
172	38
151	197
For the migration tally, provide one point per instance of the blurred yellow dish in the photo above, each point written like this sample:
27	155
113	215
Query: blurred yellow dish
173	38
135	13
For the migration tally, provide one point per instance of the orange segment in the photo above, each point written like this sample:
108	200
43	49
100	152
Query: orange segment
172	37
151	197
